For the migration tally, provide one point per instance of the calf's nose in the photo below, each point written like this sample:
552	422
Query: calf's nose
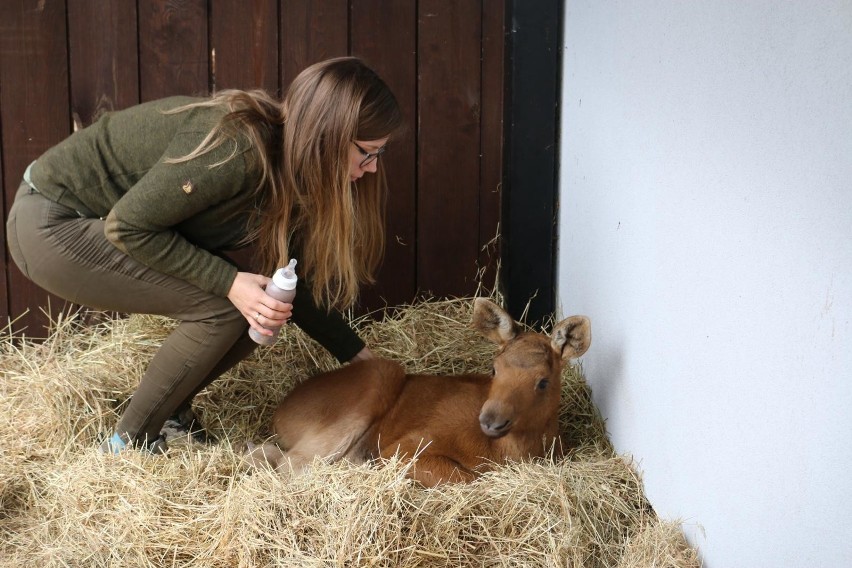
494	423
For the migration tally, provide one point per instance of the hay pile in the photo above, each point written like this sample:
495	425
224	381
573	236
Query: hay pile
64	504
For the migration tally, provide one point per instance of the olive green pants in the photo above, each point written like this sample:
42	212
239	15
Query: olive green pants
69	256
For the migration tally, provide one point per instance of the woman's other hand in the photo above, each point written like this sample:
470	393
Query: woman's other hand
362	355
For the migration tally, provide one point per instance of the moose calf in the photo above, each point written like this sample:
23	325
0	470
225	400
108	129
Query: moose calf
454	427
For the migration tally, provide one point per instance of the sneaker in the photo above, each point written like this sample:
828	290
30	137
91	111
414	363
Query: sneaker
185	424
120	442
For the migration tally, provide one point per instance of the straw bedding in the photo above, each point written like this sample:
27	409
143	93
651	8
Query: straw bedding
64	504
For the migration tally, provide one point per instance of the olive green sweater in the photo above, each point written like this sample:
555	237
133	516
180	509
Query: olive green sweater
171	217
167	216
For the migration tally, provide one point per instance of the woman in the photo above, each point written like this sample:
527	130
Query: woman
132	214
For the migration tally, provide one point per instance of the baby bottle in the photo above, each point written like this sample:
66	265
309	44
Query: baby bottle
283	288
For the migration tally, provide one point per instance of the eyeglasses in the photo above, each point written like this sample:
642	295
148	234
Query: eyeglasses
369	157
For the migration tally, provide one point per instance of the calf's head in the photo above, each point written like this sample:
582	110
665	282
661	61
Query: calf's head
527	378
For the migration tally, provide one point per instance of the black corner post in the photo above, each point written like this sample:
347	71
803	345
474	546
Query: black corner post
530	189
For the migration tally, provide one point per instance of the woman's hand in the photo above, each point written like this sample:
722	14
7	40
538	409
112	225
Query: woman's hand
261	310
362	355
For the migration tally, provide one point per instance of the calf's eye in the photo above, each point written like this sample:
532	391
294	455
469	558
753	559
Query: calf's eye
542	384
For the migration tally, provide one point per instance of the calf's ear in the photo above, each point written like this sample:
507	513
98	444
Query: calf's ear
493	322
572	336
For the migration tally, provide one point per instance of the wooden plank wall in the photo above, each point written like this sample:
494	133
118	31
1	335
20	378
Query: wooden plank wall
63	63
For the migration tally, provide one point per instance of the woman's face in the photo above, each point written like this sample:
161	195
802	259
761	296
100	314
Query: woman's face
364	157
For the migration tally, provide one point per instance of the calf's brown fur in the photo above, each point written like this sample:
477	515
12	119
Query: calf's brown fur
455	427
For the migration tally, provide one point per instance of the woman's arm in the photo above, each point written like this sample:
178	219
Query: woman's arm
326	327
144	222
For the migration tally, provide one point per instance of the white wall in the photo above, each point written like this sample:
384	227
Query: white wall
706	229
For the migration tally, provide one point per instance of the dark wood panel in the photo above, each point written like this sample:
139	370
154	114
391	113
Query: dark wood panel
5	204
529	198
383	34
173	51
34	114
104	57
443	59
311	30
449	145
244	39
491	167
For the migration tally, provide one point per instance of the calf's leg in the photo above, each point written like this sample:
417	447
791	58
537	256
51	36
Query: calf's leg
430	471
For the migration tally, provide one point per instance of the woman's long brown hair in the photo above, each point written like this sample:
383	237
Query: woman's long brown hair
302	146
